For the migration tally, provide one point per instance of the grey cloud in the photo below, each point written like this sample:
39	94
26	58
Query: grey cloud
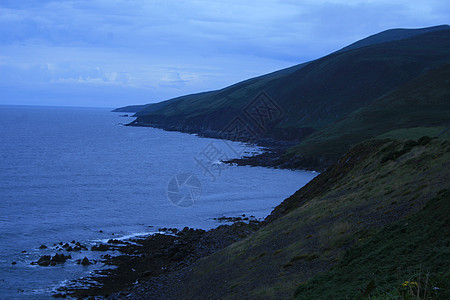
160	49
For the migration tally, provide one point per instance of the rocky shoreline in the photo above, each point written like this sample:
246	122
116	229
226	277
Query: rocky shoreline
274	155
276	158
148	267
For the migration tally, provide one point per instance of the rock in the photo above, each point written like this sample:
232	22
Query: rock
42	247
60	258
59	295
113	241
43	261
101	247
85	261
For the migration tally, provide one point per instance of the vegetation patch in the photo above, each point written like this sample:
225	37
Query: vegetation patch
408	259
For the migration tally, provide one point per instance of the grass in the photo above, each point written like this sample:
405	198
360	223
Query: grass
413	133
408	259
418	108
319	226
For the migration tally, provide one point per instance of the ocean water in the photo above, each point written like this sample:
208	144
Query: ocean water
78	174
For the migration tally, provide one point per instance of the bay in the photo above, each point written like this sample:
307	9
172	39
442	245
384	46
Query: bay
78	174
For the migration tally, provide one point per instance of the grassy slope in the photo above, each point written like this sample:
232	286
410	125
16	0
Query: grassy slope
392	35
421	107
375	184
322	91
331	88
385	36
201	101
415	249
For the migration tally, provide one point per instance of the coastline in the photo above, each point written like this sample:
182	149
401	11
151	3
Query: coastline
104	202
148	267
157	266
273	155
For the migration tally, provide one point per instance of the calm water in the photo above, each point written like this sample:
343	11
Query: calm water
68	173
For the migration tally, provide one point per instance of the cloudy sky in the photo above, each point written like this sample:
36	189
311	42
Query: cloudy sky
112	53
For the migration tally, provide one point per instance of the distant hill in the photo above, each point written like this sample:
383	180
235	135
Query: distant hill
131	108
312	95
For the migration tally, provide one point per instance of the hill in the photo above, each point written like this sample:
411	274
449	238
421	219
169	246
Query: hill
131	108
374	220
309	96
391	35
375	223
419	107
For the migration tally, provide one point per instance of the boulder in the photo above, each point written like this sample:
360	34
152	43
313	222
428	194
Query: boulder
101	247
60	258
44	260
85	261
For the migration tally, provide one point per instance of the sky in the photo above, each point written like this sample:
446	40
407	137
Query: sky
112	53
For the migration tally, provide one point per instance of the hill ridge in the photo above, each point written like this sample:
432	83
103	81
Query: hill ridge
313	97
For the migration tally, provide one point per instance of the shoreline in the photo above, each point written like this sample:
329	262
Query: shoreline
273	155
143	260
214	240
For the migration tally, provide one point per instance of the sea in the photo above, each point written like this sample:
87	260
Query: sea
78	174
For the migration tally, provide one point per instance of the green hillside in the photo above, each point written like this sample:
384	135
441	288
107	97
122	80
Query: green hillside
375	219
313	95
419	107
375	224
391	35
408	259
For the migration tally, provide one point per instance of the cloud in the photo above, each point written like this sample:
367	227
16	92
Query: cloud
172	79
169	48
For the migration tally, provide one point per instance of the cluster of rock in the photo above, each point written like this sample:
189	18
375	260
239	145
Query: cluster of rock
243	218
59	258
142	259
48	260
